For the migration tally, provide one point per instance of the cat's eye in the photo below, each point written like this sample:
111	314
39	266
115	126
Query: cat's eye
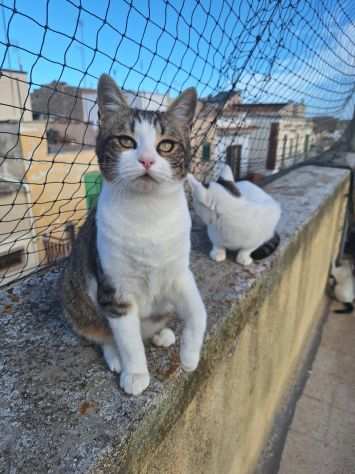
126	142
166	146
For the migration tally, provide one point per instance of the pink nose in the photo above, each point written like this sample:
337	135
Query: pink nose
147	162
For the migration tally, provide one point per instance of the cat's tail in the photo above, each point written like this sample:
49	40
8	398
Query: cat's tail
267	248
348	308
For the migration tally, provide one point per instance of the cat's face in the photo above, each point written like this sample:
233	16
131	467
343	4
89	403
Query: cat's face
143	150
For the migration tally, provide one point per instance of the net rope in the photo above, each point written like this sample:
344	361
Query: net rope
275	81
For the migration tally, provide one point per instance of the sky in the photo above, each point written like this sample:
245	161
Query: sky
272	51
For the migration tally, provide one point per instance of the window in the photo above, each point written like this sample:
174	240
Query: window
306	144
284	145
12	259
206	151
234	158
93	184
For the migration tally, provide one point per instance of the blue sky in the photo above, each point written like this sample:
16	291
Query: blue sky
271	51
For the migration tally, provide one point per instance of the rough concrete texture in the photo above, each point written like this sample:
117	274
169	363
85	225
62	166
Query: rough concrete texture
61	410
322	435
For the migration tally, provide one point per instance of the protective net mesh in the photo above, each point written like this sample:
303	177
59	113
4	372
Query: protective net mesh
275	81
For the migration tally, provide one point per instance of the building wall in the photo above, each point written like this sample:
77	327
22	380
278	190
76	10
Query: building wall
56	182
296	130
221	143
259	143
148	100
203	131
11	164
58	100
73	133
252	129
16	231
90	108
14	96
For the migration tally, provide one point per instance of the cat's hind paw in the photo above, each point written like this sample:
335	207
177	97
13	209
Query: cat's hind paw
134	384
165	338
244	258
218	255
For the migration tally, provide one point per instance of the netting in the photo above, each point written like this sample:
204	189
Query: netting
275	81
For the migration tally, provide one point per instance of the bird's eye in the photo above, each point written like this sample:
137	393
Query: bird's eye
126	142
166	146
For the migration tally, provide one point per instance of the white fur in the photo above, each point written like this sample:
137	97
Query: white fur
344	289
235	223
143	241
130	169
111	357
165	338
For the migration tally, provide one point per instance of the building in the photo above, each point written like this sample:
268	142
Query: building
203	135
18	248
256	138
63	186
71	113
148	100
15	96
268	136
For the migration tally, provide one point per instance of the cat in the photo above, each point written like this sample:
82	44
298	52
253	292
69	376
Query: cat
342	283
130	264
239	216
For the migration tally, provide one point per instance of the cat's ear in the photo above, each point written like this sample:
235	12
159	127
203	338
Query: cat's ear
110	98
199	192
183	108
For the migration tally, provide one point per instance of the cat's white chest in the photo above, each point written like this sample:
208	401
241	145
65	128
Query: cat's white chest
143	249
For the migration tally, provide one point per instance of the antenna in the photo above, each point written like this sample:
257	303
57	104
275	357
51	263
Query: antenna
8	51
82	50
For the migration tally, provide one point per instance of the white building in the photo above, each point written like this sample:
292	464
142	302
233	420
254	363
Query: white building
148	100
263	138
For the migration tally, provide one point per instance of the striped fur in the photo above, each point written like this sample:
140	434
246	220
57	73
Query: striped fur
266	249
230	186
348	308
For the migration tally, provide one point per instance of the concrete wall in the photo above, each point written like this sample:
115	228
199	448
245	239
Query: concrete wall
226	425
67	413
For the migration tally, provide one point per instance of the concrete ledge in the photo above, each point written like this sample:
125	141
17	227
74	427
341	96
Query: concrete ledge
61	411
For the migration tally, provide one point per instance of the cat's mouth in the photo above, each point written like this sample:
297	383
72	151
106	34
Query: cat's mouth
147	178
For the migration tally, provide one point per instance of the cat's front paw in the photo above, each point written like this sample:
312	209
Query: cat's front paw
218	255
244	258
134	384
111	357
189	360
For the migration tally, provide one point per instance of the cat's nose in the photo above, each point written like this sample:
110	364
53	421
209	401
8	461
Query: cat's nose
147	162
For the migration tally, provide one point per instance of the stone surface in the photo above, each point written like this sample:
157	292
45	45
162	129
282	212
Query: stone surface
61	410
322	435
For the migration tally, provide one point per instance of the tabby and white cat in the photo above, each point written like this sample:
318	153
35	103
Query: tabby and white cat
239	216
130	265
343	285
